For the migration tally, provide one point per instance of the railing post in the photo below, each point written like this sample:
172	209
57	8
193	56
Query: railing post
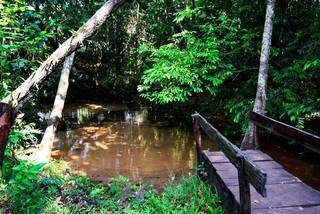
197	134
5	124
244	187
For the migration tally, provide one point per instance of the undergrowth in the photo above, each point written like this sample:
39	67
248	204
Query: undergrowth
54	188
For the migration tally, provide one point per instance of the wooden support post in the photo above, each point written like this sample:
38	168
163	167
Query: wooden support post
244	187
5	124
197	134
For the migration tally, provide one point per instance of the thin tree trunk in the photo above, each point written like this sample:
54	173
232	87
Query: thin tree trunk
48	137
69	46
260	100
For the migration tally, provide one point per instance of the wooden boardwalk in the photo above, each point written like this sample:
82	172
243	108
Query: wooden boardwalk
285	192
251	181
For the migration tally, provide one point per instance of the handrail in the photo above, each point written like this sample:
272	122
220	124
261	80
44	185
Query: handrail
256	176
309	141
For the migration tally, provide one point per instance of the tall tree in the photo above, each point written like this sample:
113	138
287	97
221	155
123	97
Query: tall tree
48	137
69	46
249	140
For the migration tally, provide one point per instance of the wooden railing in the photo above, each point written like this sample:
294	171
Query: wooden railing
309	141
248	171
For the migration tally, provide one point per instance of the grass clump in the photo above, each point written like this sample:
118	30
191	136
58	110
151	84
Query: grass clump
54	188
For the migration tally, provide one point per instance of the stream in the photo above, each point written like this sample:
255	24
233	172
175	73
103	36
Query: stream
109	140
112	140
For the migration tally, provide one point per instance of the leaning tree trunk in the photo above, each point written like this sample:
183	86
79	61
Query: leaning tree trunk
48	137
46	68
250	139
69	46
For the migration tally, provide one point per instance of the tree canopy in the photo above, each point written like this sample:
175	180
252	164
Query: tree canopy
175	53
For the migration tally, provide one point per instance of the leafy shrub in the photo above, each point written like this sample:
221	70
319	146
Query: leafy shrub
23	41
197	60
55	189
24	186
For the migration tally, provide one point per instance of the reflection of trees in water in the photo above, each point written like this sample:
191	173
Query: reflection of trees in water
136	151
176	141
172	145
130	146
79	115
84	113
179	142
183	142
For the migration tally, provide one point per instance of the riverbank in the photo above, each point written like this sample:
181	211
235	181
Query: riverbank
56	188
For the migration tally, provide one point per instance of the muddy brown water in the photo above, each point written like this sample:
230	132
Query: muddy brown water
123	142
110	140
298	161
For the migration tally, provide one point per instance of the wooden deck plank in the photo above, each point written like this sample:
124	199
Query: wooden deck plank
219	157
282	195
278	176
291	210
285	192
266	165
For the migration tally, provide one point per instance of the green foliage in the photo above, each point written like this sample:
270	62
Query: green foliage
22	133
294	93
195	62
190	196
24	186
23	42
24	182
238	111
191	53
180	56
201	169
53	189
21	136
173	72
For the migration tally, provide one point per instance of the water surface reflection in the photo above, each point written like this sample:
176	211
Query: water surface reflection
131	147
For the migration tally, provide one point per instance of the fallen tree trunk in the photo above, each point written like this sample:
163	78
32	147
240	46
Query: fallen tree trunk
69	46
48	137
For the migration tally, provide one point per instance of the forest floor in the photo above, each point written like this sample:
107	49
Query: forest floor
56	188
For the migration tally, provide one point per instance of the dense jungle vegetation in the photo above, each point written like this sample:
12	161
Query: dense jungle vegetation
175	56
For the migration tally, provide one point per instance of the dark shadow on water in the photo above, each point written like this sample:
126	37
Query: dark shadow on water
294	158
